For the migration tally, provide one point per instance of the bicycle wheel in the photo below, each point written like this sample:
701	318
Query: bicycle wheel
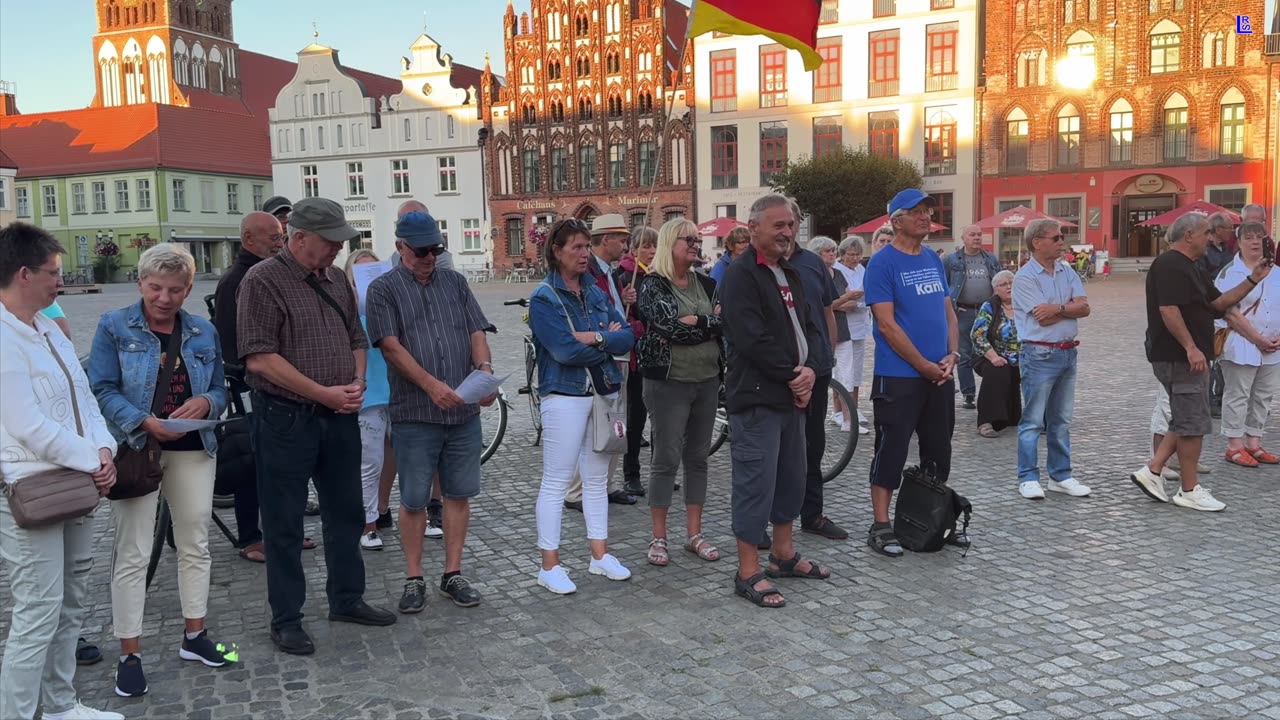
162	532
531	388
720	431
840	443
493	426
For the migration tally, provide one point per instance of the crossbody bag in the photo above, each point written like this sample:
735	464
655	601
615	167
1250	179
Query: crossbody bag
1221	334
139	472
608	412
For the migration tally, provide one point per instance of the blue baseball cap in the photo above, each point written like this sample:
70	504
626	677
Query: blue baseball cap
910	198
419	230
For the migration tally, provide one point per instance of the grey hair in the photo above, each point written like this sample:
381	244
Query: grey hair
1220	220
885	229
1185	224
765	203
821	244
644	236
849	242
1253	208
165	259
1035	227
1001	277
1253	227
356	257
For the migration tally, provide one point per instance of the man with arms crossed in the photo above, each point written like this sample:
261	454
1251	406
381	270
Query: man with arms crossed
969	273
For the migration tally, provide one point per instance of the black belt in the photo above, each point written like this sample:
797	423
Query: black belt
307	408
963	306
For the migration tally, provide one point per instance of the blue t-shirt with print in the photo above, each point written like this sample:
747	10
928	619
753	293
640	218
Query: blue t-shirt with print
917	287
378	389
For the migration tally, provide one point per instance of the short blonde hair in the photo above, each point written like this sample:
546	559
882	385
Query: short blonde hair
166	259
671	231
356	257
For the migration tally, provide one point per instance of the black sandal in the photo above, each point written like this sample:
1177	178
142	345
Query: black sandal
882	540
747	589
787	569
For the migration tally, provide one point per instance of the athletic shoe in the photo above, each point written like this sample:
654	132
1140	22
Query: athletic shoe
846	426
1176	465
609	567
862	430
224	501
384	521
206	651
130	680
83	712
1150	483
371	541
1031	490
836	418
862	419
1198	499
435	526
459	590
1070	486
557	581
414	597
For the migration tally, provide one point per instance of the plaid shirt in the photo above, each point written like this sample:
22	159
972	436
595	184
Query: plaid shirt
279	313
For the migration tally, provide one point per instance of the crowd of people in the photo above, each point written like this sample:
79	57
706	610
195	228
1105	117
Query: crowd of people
350	393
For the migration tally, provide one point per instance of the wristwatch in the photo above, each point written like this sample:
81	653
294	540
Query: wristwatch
485	364
599	340
956	353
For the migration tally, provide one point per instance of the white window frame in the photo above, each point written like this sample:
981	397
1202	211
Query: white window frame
447	170
400	183
49	200
472	240
233	198
122	196
259	194
179	187
100	196
143	186
443	225
79	202
355	180
310	181
22	201
208	197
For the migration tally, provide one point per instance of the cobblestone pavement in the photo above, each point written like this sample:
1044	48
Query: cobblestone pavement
1106	607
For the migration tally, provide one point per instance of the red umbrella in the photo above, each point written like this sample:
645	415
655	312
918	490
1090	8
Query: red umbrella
719	227
879	222
1018	217
1199	207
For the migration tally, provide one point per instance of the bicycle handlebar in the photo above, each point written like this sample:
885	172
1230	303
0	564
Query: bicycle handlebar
522	302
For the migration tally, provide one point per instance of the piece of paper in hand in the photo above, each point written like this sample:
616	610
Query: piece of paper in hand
479	385
365	274
184	425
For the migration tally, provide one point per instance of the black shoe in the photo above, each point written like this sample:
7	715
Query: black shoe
435	522
824	527
414	598
573	505
224	501
634	488
968	402
362	614
87	653
959	539
767	543
458	589
312	509
207	651
130	681
294	641
644	443
619	497
384	520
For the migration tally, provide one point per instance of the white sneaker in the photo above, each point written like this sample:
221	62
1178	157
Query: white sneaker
862	430
862	419
371	541
1070	486
557	581
609	567
1176	465
1150	483
1031	490
837	418
82	712
1198	499
847	426
1170	474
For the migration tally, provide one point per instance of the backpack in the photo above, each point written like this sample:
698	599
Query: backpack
927	510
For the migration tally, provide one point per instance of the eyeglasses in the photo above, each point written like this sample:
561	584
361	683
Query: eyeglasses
923	211
54	273
1055	238
436	250
693	240
278	238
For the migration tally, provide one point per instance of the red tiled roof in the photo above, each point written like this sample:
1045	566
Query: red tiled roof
6	161
262	77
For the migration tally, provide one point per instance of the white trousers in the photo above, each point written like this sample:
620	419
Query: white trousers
566	446
188	487
1246	397
374	423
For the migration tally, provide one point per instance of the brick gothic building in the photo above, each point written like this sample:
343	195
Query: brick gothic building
582	126
1178	111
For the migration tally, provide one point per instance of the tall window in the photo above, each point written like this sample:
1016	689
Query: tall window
233	197
1166	52
1032	68
144	194
302	139
258	194
100	196
443	227
531	174
828	136
1176	133
78	204
617	165
310	181
773	76
648	151
827	82
613	63
49	194
883	133
944	213
515	237
1121	150
471	235
122	195
587	178
724	80
1232	130
884	8
447	169
400	177
22	200
939	142
179	196
337	135
1016	136
559	169
355	179
1066	208
941	73
1068	138
884	63
773	150
208	198
1079	10
1233	199
724	157
830	12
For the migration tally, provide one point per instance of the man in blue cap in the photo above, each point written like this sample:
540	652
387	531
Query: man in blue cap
917	337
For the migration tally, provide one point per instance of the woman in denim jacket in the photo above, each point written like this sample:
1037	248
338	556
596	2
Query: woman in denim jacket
576	333
124	365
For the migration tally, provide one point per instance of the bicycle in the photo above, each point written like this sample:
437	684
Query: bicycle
530	387
840	444
493	420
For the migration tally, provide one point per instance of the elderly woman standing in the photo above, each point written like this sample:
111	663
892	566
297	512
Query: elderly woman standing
858	317
680	360
825	248
1250	359
576	334
134	348
995	350
59	426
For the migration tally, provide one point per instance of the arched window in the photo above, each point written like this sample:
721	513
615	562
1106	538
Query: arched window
158	69
134	79
1016	141
583	66
320	137
581	25
615	106
529	114
109	74
613	63
554	71
1176	129
1166	48
1120	122
1219	49
1032	67
1081	43
557	111
199	78
408	129
585	109
1232	129
337	135
1068	154
219	76
644	102
1020	14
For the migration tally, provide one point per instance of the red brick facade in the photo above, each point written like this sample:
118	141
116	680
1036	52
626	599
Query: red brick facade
596	99
1178	111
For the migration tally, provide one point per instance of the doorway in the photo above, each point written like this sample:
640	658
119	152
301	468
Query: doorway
1137	240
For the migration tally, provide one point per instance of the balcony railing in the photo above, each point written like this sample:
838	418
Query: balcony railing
935	83
884	8
944	166
1273	44
882	88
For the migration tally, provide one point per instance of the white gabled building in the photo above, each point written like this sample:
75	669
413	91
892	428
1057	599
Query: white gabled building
333	137
899	79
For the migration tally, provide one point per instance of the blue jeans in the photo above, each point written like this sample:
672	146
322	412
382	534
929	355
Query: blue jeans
1048	402
964	366
423	449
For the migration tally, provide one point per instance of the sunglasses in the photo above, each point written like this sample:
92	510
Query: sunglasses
1056	238
436	250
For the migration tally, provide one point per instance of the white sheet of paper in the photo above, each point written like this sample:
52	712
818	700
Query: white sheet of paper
365	274
189	424
479	385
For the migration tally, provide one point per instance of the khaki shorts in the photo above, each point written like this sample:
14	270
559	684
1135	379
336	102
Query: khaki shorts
1188	398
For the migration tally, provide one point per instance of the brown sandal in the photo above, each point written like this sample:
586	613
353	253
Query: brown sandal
308	544
658	554
254	553
699	546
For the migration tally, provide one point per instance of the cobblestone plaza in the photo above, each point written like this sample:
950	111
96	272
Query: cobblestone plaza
1110	606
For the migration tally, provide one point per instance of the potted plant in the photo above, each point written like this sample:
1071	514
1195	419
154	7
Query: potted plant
106	260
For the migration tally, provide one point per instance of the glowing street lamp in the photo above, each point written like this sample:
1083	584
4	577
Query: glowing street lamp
1076	72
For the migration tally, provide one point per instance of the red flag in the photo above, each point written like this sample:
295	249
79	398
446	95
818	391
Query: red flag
795	27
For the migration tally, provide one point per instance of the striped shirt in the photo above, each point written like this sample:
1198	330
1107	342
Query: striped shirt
434	323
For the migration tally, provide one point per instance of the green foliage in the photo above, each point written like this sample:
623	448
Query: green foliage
847	188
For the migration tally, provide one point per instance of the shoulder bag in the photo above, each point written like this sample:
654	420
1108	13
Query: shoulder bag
52	496
138	472
1221	334
608	412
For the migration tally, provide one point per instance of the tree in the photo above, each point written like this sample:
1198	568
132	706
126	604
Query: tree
845	188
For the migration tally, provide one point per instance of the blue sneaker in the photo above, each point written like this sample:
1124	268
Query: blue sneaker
206	651
130	682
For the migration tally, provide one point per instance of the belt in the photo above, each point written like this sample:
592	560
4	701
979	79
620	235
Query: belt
963	306
1059	345
306	408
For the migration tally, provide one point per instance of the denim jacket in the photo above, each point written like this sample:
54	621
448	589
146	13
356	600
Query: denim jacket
562	360
124	366
956	271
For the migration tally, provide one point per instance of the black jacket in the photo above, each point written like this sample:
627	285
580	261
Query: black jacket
224	304
761	340
657	303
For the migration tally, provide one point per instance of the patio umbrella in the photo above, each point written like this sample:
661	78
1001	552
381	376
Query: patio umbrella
1018	217
876	224
1199	207
719	227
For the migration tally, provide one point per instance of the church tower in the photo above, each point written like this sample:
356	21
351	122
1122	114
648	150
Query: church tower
163	51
